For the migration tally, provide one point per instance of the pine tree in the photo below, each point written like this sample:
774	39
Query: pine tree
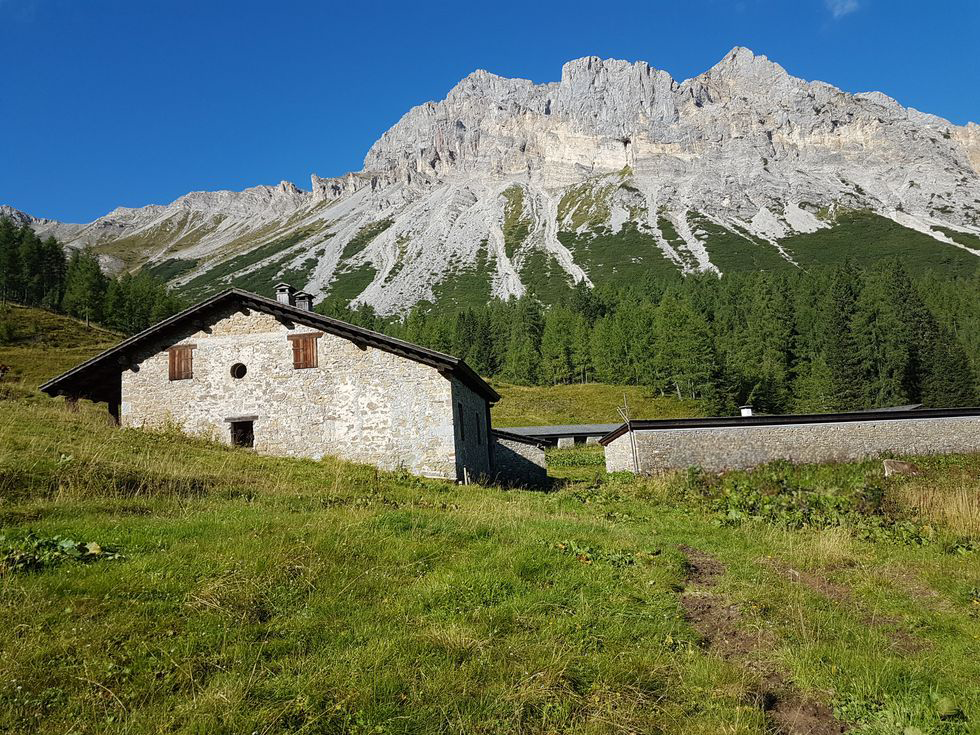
839	348
685	359
85	287
557	363
10	273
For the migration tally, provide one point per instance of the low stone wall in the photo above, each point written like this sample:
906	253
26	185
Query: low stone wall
519	463
741	447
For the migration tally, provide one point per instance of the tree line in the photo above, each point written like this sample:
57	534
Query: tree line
827	339
37	272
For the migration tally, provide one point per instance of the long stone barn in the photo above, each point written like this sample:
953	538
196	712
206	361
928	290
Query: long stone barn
743	442
275	376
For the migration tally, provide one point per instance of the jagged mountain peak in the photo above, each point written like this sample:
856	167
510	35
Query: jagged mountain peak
613	172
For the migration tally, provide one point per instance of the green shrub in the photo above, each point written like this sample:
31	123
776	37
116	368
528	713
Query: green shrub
33	553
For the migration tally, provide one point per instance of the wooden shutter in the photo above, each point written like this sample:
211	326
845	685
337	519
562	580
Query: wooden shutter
304	350
181	362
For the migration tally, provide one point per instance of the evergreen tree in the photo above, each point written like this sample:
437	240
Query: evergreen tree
839	348
85	287
685	362
10	273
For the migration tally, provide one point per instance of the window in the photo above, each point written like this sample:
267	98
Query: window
181	362
304	349
462	432
479	439
243	434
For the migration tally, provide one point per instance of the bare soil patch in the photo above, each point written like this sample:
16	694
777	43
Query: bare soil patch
716	621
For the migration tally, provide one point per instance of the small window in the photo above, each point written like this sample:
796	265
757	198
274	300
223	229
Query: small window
304	350
181	362
462	422
238	371
243	434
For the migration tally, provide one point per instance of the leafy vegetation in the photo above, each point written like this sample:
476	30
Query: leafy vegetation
29	552
516	225
229	272
865	238
37	273
348	284
364	237
735	251
468	286
627	256
169	269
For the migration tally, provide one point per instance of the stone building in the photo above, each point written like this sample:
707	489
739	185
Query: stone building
278	377
742	442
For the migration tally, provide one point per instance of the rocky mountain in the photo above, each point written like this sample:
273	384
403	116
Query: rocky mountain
615	172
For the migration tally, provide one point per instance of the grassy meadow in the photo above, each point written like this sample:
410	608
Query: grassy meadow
156	583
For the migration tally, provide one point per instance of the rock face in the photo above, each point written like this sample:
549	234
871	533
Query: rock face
615	171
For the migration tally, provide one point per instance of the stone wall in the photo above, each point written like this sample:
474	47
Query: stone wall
519	463
473	441
364	405
741	447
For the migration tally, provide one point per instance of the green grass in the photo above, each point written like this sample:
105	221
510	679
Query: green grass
543	276
866	238
158	583
586	204
37	345
591	403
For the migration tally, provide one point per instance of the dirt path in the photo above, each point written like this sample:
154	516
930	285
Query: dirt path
789	711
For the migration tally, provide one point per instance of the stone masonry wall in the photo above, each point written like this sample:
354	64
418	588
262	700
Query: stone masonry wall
726	448
473	443
519	464
364	405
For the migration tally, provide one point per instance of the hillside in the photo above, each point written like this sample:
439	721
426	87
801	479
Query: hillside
614	173
167	584
37	345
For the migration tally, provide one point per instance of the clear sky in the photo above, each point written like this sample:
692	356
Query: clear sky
109	103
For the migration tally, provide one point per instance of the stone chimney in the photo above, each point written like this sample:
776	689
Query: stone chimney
285	294
303	300
745	410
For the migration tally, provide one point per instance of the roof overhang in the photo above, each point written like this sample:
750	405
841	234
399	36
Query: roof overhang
86	380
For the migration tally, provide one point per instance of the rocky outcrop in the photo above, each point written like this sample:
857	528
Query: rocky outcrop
505	179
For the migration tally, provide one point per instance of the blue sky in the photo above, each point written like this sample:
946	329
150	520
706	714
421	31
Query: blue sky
124	103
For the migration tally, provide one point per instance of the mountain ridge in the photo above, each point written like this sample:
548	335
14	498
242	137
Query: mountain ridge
615	170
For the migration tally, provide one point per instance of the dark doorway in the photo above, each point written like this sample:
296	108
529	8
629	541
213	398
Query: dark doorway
242	434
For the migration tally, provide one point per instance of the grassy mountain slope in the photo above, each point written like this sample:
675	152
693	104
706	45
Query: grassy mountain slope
208	589
622	257
37	344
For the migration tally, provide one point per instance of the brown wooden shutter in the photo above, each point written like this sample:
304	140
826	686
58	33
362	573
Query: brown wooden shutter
181	360
304	350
